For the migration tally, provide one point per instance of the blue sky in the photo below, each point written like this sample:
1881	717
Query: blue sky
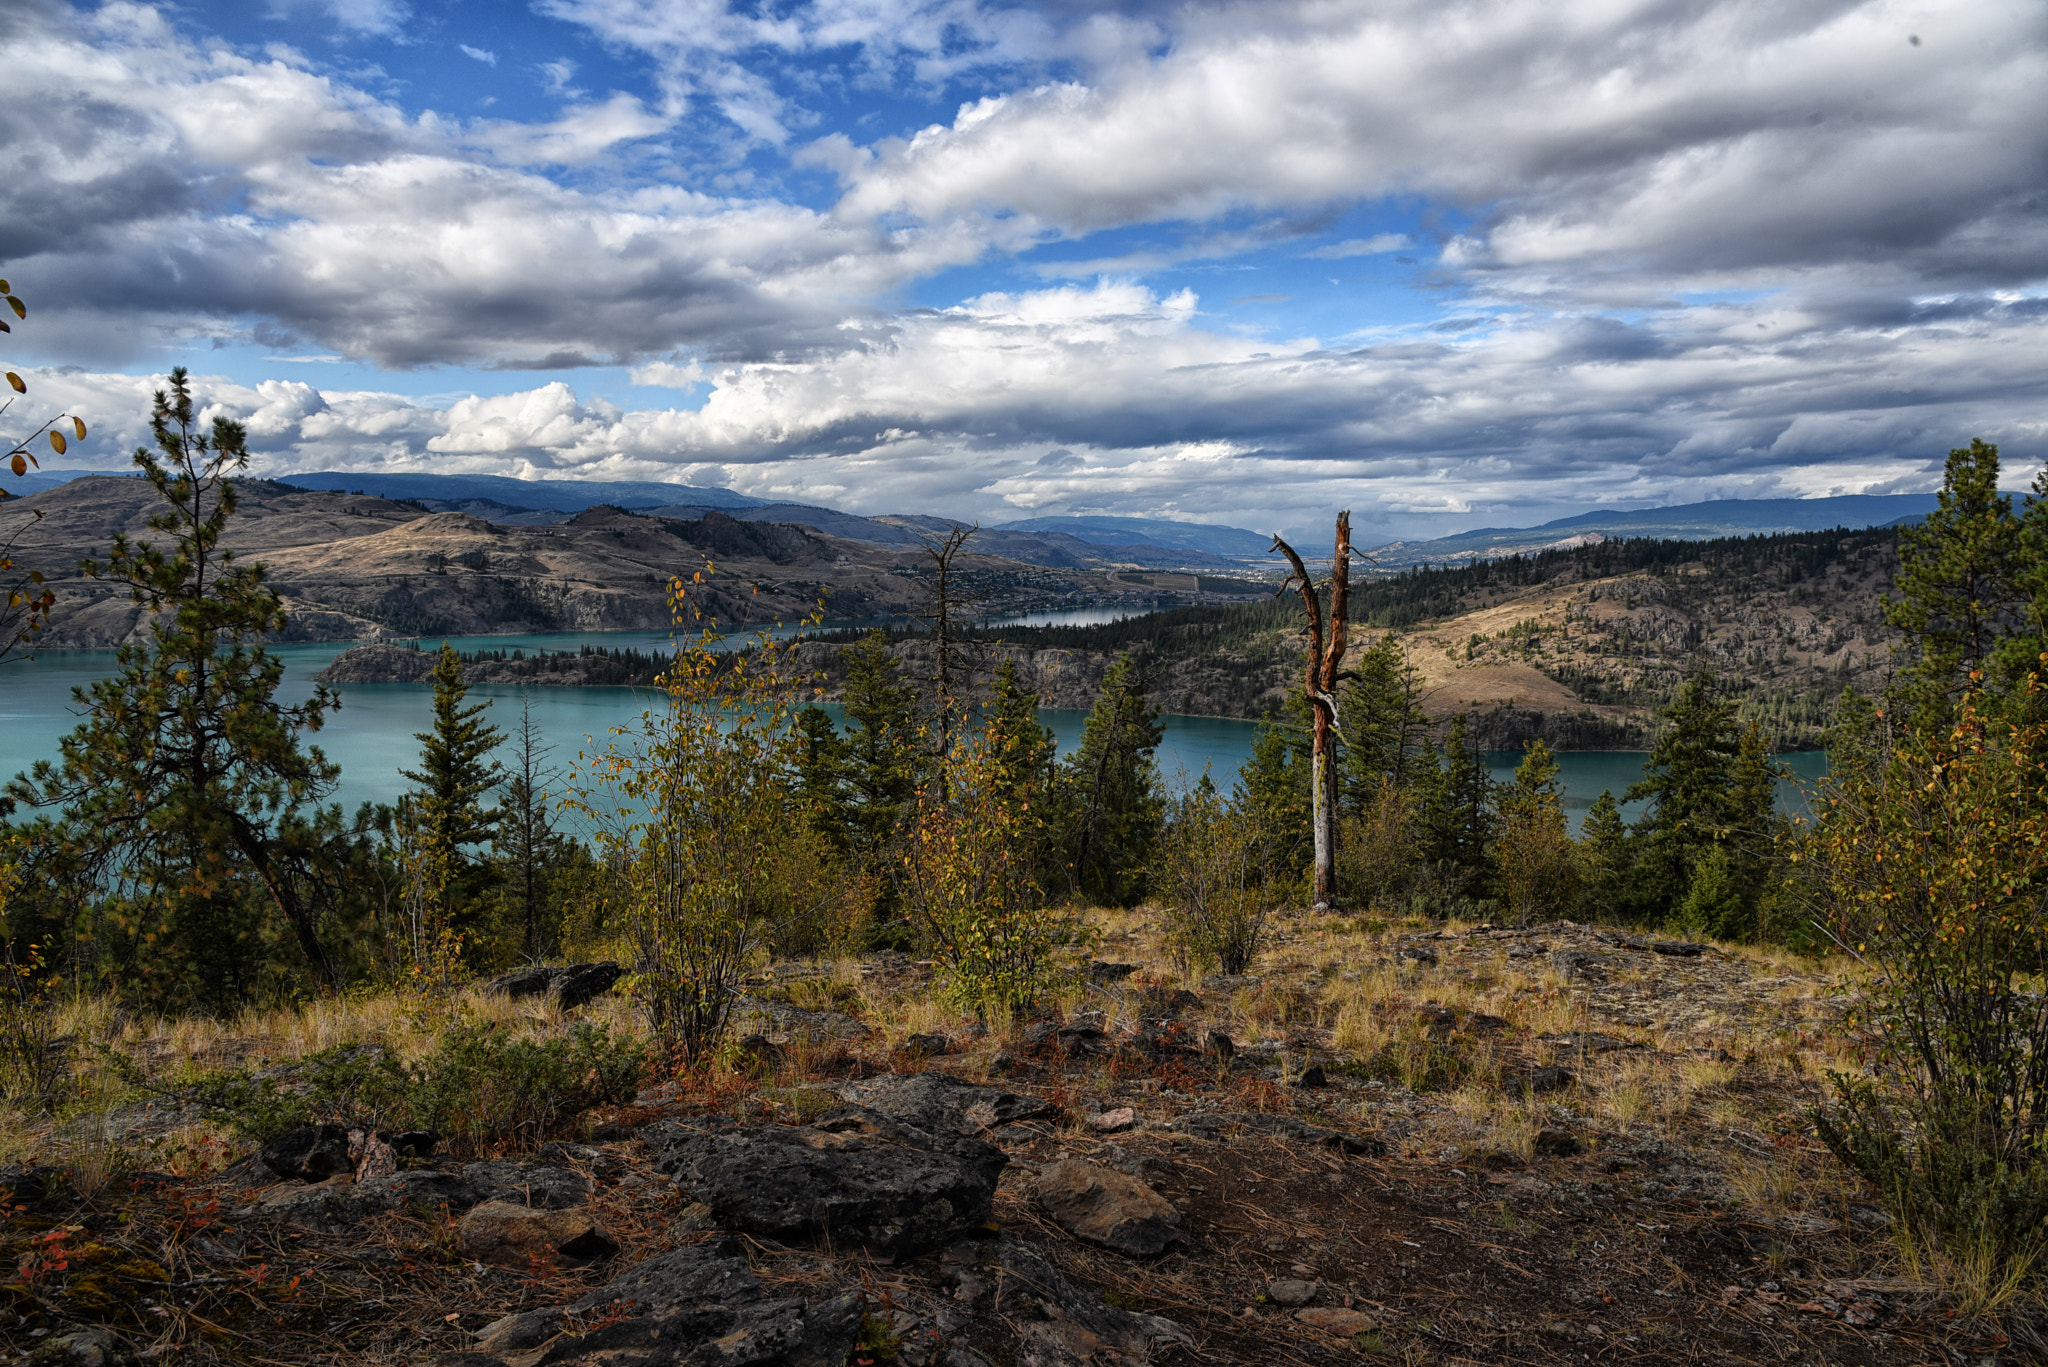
1447	266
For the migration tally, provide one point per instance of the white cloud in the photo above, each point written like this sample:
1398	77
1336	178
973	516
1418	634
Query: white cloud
487	57
1361	246
1114	399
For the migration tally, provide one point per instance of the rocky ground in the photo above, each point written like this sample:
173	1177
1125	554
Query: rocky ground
1399	1143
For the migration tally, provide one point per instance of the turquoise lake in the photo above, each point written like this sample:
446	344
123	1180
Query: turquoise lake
372	735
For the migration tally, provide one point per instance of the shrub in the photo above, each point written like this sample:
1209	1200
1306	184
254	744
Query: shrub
481	1089
710	854
969	891
1376	850
1209	872
1933	869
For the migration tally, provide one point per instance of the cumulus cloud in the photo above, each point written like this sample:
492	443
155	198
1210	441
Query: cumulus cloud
1715	247
1603	148
1114	399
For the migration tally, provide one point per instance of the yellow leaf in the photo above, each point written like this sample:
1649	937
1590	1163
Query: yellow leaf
20	385
57	442
20	466
20	309
78	428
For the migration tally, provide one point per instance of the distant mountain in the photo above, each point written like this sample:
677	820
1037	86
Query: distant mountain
1684	522
1232	543
562	495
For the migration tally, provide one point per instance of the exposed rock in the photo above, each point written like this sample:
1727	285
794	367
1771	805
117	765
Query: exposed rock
1290	1293
1681	949
1416	954
897	1193
571	985
772	1017
81	1348
1061	1325
310	1153
1107	1207
1578	963
527	1184
1099	972
1336	1320
1113	1122
1550	1079
1589	1041
941	1104
1221	1045
761	1052
1558	1143
339	1204
373	1154
927	1046
520	1330
699	1305
1065	1041
510	1235
1312	1076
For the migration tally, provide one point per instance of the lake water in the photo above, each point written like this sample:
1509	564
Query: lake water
372	735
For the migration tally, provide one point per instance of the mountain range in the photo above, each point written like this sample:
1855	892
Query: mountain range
1082	541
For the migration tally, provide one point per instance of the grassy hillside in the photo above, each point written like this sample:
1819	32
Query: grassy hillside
1581	644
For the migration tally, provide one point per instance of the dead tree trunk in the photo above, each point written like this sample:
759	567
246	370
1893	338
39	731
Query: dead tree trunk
1325	660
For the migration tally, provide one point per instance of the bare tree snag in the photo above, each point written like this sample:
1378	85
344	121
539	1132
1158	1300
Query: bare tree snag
1325	660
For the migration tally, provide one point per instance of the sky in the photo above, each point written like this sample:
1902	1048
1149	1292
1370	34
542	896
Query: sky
1445	263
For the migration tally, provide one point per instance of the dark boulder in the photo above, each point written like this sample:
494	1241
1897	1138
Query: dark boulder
699	1304
310	1153
893	1189
527	1184
571	985
940	1104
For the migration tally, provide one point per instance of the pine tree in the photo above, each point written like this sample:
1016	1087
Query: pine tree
1114	801
1384	724
884	757
1456	814
821	778
186	785
526	838
456	771
1022	748
1957	586
1273	792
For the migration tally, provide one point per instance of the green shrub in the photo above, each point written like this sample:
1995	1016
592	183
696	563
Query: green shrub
481	1089
1932	868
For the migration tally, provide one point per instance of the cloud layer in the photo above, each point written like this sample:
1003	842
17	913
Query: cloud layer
1678	248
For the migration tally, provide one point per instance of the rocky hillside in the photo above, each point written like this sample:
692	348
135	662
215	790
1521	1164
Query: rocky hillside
357	567
1411	1143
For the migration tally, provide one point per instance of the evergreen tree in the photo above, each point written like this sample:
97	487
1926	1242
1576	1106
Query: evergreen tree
1385	727
186	787
1022	748
821	778
1532	847
1273	793
1114	801
884	757
1958	589
1605	856
456	772
1456	817
526	839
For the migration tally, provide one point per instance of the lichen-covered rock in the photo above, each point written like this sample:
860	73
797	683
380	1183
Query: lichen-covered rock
527	1184
1106	1207
940	1104
341	1204
571	985
897	1192
514	1236
701	1304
